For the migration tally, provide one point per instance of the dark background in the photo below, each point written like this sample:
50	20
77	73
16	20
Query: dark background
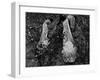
52	55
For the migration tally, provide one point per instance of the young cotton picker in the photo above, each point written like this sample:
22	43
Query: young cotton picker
69	50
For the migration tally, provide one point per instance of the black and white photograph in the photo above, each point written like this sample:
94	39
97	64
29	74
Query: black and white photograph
53	39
